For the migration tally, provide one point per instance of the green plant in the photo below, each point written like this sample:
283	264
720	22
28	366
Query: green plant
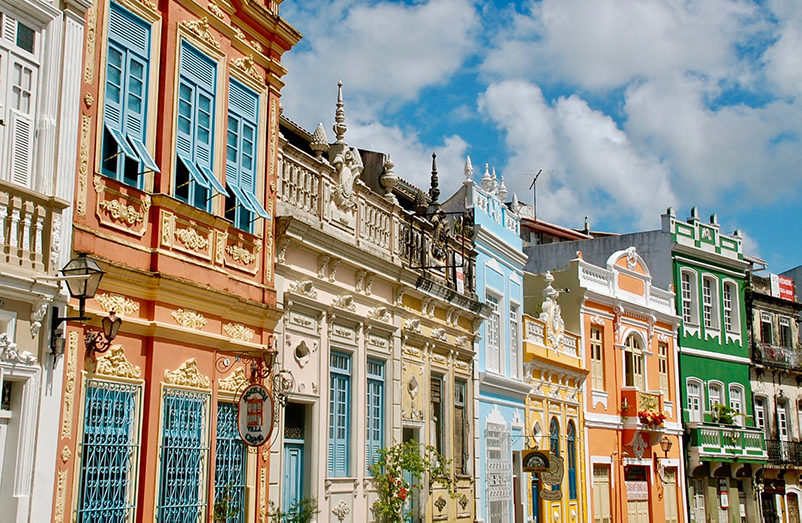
225	505
301	511
398	472
724	414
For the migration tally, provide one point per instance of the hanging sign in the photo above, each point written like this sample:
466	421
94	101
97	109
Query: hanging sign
255	415
535	461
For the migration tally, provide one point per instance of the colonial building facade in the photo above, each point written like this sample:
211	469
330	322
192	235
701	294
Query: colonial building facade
40	43
175	198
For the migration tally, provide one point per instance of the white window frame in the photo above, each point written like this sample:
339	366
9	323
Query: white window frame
695	414
662	369
710	302
638	360
515	341
597	364
760	411
689	296
493	355
734	324
738	405
721	398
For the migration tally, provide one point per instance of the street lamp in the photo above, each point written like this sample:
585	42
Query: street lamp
665	445
82	276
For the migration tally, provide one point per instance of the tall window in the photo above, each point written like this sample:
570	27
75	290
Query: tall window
785	332
19	84
554	442
766	333
436	405
715	394
662	368
514	352
109	451
571	450
339	419
709	305
693	390
241	141
596	358
231	459
461	437
689	297
737	401
760	412
124	154
195	181
184	455
731	307
782	421
492	332
633	363
602	512
499	473
375	421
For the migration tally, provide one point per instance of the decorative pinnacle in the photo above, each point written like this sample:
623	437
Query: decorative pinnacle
339	127
468	168
434	192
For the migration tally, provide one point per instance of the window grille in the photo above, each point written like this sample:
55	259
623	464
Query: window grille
231	459
499	473
492	330
184	455
109	452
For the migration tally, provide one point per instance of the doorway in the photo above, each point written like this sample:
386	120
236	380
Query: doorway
293	475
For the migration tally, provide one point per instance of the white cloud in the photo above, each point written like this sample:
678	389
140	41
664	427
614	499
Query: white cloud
783	66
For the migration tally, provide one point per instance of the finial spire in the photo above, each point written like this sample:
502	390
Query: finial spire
468	168
434	192
339	115
502	191
487	181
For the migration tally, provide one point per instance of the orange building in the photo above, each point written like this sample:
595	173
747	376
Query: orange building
174	199
632	409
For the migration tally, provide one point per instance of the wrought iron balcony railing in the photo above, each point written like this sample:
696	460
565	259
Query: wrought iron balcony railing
784	452
776	356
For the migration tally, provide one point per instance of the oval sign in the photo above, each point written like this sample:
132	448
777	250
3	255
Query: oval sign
255	415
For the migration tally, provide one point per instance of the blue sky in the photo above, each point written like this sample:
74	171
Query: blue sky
628	106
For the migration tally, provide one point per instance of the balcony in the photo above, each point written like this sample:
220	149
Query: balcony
784	453
634	402
727	442
776	356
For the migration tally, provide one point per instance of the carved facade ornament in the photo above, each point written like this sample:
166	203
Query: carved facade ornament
200	28
322	263
413	325
189	318
346	301
664	338
234	383
191	239
149	4
259	48
369	283
69	383
632	258
598	320
341	510
333	264
380	313
89	100
55	239
65	454
281	250
440	503
120	304
216	11
38	313
61	497
304	288
349	167
247	66
461	342
440	334
10	354
116	364
439	358
239	331
240	254
83	166
187	375
239	34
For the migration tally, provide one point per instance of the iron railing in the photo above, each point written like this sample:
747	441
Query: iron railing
784	452
776	356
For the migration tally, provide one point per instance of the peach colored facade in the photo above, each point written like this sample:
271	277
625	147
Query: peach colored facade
193	285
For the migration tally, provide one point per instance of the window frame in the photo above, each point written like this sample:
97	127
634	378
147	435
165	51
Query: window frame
515	341
741	408
689	296
786	334
719	386
633	359
339	376
437	408
597	363
766	326
710	303
759	411
226	445
462	442
695	415
734	324
662	369
493	334
570	448
376	391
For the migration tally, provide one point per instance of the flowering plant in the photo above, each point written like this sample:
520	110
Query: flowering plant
651	417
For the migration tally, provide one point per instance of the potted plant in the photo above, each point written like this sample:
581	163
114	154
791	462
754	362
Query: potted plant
651	417
724	414
302	511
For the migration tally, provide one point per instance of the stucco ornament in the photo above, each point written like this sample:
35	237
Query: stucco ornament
380	313
413	325
551	314
341	510
239	331
349	168
632	258
38	313
187	375
10	354
189	318
116	364
638	445
304	288
346	302
120	304
234	383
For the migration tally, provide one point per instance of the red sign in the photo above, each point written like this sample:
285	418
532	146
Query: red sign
782	287
255	415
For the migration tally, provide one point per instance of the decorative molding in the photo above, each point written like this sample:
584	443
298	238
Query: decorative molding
89	100
216	11
462	365
341	510
346	302
116	364
239	331
246	65
333	264
380	313
191	239
413	325
65	454
322	262
120	304
149	4
10	354
91	40
240	34
187	375
61	497
439	358
259	48
200	28
38	313
189	318
220	250
69	383
240	254
440	503
55	239
304	288
83	168
281	252
234	383
598	320
461	342
440	334
369	283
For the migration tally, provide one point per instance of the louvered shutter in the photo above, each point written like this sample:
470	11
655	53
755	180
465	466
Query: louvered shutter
184	129
232	151
339	407
3	93
22	107
129	52
199	74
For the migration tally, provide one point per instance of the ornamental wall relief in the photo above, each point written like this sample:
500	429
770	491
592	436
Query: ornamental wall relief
238	331
120	304
121	211
115	364
189	318
234	383
187	375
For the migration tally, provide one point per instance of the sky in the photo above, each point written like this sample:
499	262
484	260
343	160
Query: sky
627	107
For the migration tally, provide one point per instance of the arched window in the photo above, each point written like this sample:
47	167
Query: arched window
690	298
693	388
571	450
554	442
633	363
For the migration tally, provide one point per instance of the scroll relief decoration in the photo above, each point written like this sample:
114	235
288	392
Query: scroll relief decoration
380	313
189	318
69	383
304	288
191	239
216	11
187	375
120	304
247	66
116	364
200	28
234	383
122	214
238	331
242	254
345	302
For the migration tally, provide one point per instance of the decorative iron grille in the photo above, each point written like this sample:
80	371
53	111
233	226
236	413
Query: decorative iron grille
230	465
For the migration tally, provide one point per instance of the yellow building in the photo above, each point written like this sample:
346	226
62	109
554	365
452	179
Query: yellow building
554	414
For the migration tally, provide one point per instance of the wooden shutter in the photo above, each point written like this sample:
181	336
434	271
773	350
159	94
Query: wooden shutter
22	108
196	105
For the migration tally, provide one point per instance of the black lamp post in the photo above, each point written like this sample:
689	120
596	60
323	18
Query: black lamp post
82	276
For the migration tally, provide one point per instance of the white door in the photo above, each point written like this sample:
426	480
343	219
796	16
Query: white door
699	500
638	511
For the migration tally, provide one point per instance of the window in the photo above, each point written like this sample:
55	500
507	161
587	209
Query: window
694	397
184	454
436	412
124	154
715	393
514	352
737	402
571	450
670	495
731	307
662	368
766	334
760	412
782	421
709	299
109	451
231	458
194	179
19	83
241	142
633	363
554	442
785	332
339	407
461	436
499	473
601	494
492	333
596	358
689	298
375	421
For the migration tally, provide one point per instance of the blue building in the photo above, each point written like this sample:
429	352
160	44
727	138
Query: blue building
500	391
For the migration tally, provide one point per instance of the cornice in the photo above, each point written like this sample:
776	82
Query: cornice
502	385
496	245
718	262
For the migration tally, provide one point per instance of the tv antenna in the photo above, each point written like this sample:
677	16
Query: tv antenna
533	186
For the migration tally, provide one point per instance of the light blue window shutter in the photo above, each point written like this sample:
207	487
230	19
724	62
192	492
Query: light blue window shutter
204	120
232	150
135	103
129	52
198	74
341	449
115	70
244	104
186	118
332	424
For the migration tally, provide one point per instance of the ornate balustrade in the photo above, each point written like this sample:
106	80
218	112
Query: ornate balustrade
710	440
30	228
776	356
784	452
298	185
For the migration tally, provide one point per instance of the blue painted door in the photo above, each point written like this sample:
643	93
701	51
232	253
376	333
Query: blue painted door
293	490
